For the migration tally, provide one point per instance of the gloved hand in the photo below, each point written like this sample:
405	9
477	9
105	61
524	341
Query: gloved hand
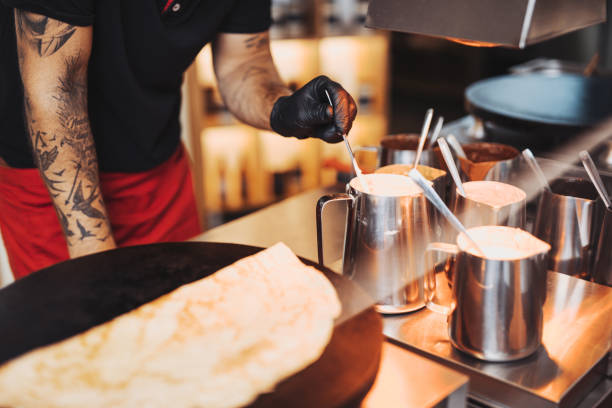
306	113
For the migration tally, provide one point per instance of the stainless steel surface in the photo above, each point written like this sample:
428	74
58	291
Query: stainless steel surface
437	202
383	244
423	137
576	334
401	149
535	167
511	23
602	269
504	165
436	131
405	379
452	140
450	164
591	170
576	339
568	224
495	310
474	213
356	168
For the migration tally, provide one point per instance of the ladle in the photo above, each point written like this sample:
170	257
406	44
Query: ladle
424	133
591	170
356	168
435	199
531	161
454	143
450	163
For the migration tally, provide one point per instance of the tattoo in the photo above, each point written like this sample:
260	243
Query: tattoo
84	232
83	204
260	78
44	34
64	223
257	41
76	176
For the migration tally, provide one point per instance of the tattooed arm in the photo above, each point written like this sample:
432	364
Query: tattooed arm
53	59
248	80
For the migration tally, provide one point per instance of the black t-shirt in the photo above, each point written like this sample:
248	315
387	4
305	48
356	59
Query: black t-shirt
135	71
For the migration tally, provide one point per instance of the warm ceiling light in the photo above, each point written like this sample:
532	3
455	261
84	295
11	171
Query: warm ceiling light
472	43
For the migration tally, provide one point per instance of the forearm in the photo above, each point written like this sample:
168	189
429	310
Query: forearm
61	138
250	88
65	154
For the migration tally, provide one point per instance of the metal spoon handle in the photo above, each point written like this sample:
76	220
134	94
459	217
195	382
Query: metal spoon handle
356	169
450	163
424	132
436	131
454	143
591	170
435	199
533	164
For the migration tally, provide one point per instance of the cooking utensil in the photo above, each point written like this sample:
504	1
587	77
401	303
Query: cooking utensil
436	131
566	218
356	168
489	161
496	307
424	133
450	163
63	301
401	149
435	199
473	213
591	170
452	140
383	244
536	110
535	167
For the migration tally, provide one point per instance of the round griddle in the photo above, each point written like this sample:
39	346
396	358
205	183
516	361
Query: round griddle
68	298
560	100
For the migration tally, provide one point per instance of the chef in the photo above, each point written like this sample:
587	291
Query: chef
90	152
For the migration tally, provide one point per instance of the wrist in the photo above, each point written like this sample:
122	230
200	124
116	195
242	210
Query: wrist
278	117
82	249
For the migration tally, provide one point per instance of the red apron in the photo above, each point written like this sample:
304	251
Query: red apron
153	206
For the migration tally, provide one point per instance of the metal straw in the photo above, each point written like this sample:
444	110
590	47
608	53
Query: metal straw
424	132
450	163
531	161
591	170
436	131
454	143
435	199
356	168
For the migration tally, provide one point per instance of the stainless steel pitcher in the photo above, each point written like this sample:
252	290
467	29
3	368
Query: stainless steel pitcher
602	270
384	242
495	310
401	149
567	218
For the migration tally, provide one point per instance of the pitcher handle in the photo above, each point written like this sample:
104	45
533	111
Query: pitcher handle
429	282
323	201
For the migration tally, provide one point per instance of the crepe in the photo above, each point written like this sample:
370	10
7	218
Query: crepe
217	342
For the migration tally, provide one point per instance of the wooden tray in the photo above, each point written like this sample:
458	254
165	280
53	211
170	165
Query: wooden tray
73	296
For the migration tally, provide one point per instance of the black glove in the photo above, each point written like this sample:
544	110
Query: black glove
307	113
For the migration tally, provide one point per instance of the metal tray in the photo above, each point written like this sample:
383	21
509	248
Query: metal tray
571	362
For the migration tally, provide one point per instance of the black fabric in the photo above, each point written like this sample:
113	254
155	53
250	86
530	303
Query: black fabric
135	71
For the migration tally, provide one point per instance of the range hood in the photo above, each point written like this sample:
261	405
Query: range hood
509	23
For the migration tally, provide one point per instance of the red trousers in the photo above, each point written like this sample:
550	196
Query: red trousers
153	206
